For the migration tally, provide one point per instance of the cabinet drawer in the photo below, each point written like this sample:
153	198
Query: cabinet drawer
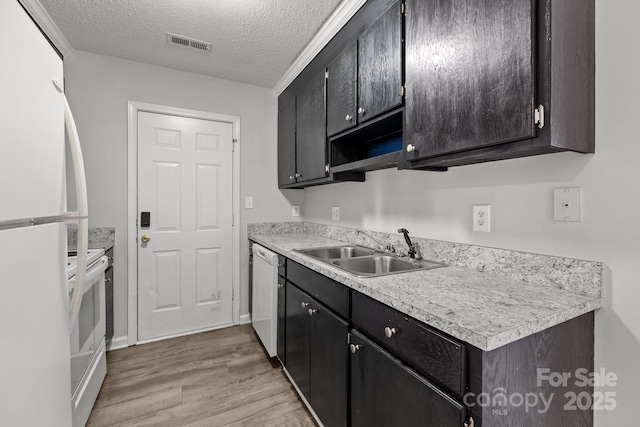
429	352
282	265
325	290
109	254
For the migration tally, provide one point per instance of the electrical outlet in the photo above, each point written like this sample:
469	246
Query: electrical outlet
295	210
482	218
335	213
567	204
248	202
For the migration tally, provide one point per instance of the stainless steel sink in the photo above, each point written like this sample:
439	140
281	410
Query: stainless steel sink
338	252
381	265
366	262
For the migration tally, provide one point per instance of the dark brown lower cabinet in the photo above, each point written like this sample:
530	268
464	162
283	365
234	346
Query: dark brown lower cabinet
281	343
317	355
384	392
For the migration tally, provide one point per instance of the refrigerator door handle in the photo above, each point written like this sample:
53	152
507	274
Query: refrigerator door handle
78	217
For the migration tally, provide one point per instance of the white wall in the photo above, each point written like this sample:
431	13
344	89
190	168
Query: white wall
99	87
520	192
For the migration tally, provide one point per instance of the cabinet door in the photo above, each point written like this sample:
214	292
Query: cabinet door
341	91
329	366
469	74
384	392
380	65
282	320
297	337
311	151
286	140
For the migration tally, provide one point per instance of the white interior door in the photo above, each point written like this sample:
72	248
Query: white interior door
185	183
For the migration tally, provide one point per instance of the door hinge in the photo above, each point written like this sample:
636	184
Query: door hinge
326	168
326	73
402	8
402	90
539	116
233	144
233	219
233	294
348	337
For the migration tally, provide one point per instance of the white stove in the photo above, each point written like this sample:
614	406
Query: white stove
72	260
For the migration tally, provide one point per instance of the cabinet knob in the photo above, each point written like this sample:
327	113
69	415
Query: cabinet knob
280	285
348	117
291	177
410	148
107	280
312	311
354	348
361	110
304	304
389	332
298	175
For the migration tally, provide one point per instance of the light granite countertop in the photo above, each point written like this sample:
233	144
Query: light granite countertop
483	309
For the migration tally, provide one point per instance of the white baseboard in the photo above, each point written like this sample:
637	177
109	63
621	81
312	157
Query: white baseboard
245	318
120	342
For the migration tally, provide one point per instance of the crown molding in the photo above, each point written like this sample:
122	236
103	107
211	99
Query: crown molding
46	24
330	28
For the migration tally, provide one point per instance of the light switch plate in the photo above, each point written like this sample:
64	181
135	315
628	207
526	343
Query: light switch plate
248	202
295	210
335	213
482	218
567	204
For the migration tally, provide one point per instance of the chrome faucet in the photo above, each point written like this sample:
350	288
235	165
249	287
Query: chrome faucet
412	248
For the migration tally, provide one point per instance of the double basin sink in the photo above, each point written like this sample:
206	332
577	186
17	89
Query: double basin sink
367	262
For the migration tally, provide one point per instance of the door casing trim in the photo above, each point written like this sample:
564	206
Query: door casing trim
133	108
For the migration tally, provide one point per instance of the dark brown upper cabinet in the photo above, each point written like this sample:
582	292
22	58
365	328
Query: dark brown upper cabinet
342	75
311	149
491	80
380	65
286	140
365	80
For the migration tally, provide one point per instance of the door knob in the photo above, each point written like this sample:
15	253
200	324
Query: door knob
145	238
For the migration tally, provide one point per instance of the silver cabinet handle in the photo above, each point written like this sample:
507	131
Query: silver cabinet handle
389	332
348	117
108	280
281	265
410	148
291	177
304	304
280	285
354	348
298	175
312	311
361	110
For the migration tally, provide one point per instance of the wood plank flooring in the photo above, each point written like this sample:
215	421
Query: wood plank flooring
217	378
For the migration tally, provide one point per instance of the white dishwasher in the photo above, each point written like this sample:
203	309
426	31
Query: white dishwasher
264	297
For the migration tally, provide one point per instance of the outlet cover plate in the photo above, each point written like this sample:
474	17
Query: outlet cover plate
567	204
295	210
482	218
335	213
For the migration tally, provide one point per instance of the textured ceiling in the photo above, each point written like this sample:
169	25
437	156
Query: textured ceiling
254	41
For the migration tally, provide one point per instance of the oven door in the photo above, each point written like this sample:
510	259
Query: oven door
89	329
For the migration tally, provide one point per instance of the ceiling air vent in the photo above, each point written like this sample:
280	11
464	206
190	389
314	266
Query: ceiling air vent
188	42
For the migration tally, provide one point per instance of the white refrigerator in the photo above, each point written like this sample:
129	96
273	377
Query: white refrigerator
35	312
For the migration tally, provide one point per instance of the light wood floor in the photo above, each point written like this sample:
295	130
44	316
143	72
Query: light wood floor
218	378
